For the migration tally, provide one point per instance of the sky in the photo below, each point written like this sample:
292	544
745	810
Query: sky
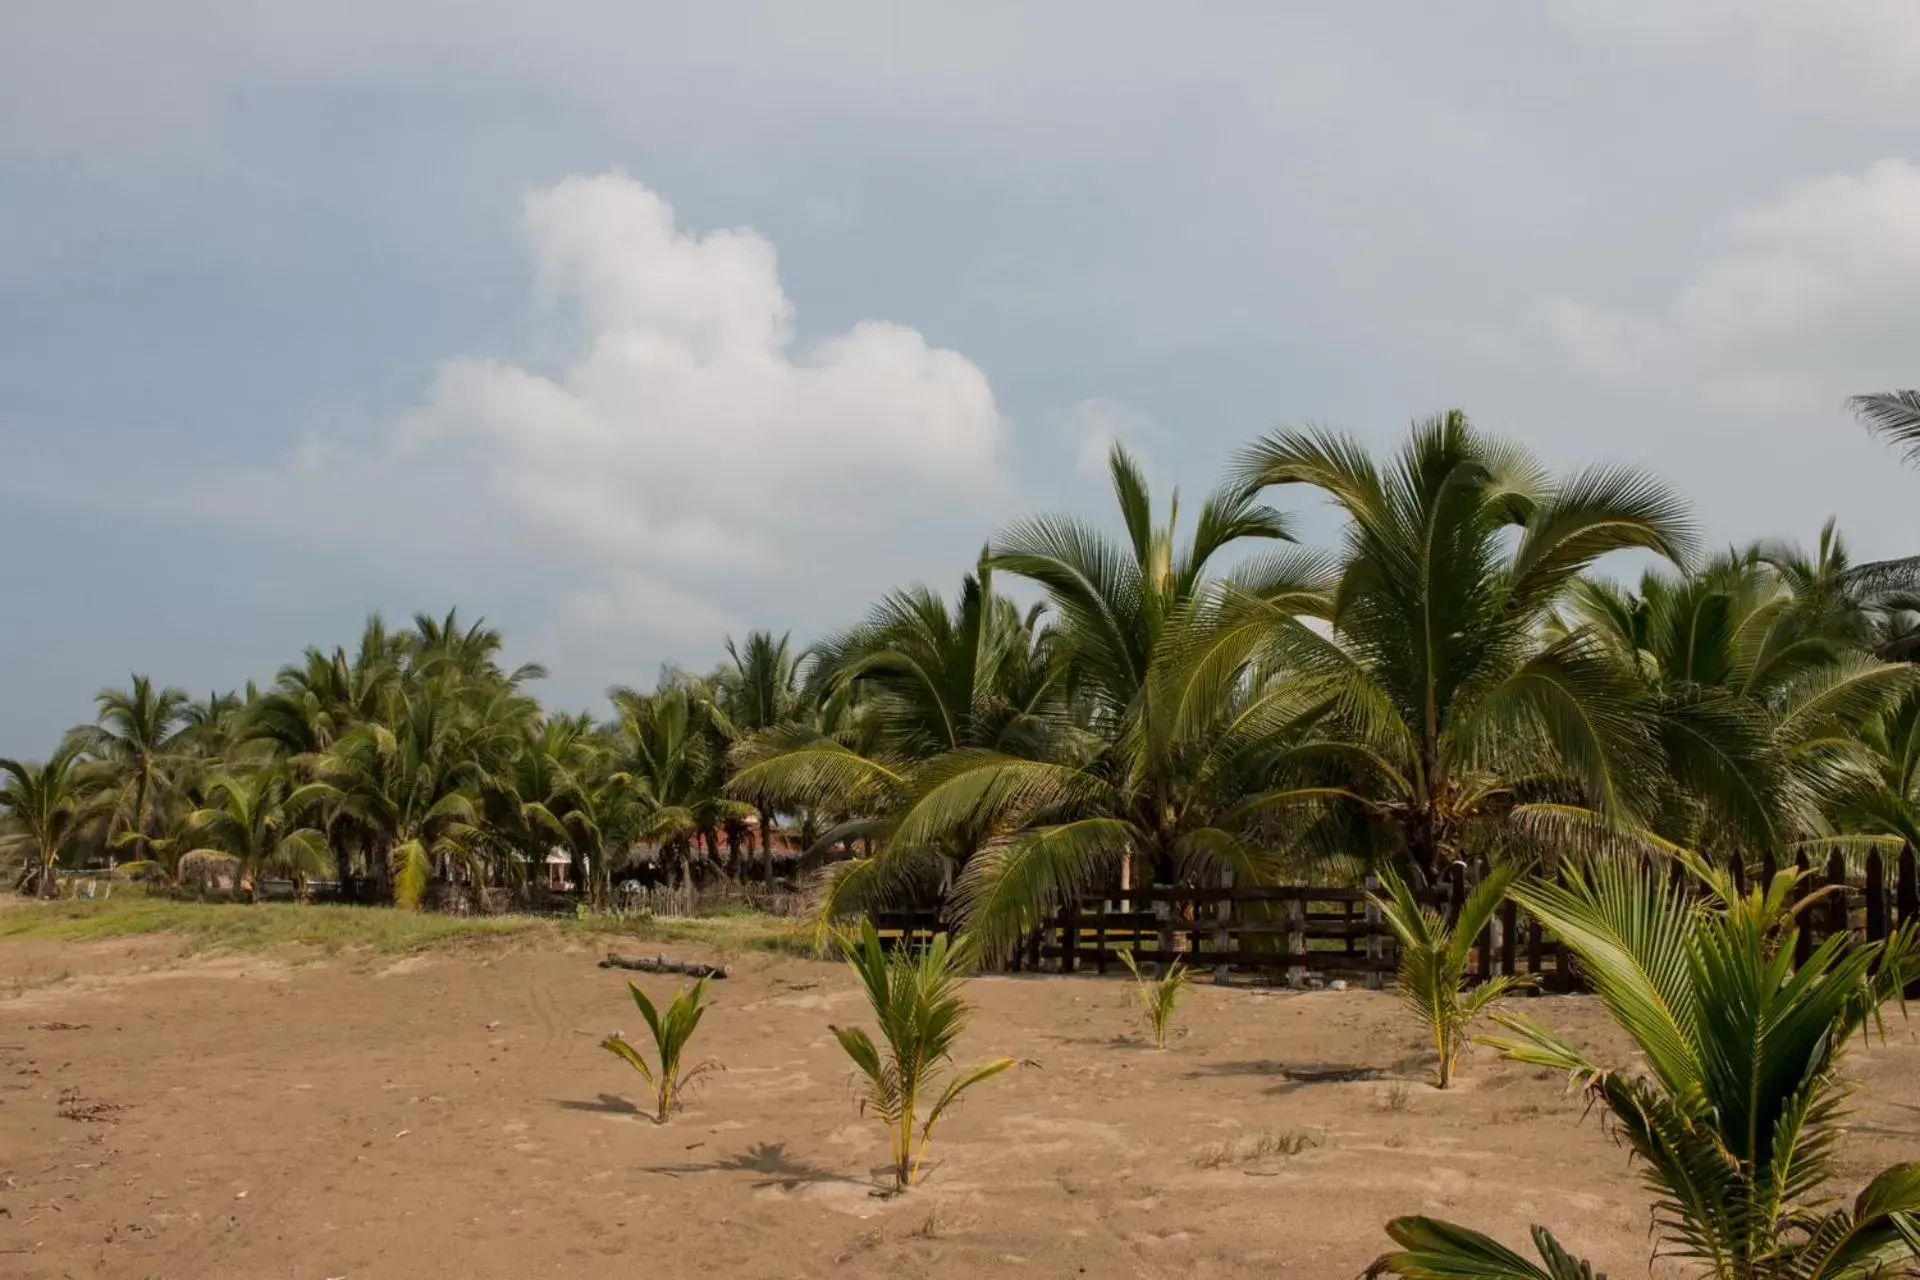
630	325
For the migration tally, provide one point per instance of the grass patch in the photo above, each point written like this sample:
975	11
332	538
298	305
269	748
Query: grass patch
206	926
1396	1097
1259	1146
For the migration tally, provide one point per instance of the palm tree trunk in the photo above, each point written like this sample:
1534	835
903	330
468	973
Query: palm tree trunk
139	825
766	848
380	865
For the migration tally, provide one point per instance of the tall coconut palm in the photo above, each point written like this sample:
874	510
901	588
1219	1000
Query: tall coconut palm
527	802
1734	1106
759	689
315	701
256	819
441	646
915	686
1159	746
414	783
1451	706
671	750
48	805
140	731
1755	673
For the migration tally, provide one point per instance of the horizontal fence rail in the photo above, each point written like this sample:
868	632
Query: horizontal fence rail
1305	935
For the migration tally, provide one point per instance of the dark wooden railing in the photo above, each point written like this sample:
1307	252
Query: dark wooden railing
1300	935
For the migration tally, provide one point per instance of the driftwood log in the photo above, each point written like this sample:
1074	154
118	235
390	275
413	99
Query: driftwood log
664	964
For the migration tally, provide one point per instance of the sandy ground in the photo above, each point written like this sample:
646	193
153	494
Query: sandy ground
453	1116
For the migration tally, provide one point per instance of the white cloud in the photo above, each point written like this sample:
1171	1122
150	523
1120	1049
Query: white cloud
1096	425
1776	37
691	457
689	427
1743	368
1816	285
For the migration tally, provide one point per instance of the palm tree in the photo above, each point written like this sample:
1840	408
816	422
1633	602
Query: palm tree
1755	672
312	703
140	730
673	758
916	686
255	819
1166	715
1894	416
759	690
1736	1113
414	784
1450	709
48	805
438	647
1883	797
916	1000
1434	954
527	803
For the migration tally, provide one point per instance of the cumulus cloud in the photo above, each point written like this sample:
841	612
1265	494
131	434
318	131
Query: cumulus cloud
1816	285
1095	425
1744	365
690	456
689	427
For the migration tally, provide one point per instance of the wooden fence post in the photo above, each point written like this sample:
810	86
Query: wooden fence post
1222	937
1163	918
1070	935
1509	937
1536	962
1376	944
1876	889
1455	878
1839	906
1297	942
1906	894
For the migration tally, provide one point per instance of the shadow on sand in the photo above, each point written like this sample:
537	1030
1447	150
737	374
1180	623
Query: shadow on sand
1292	1076
606	1104
771	1160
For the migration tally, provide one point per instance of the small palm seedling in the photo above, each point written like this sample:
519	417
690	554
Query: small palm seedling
671	1078
1159	996
916	1001
1735	1108
1433	961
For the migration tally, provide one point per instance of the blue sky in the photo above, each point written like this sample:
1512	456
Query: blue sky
405	305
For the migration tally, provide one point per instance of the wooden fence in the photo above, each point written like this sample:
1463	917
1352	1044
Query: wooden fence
1299	935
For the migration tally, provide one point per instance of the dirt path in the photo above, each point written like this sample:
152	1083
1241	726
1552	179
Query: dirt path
455	1117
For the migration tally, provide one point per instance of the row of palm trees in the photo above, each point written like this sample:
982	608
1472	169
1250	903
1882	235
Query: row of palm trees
1453	678
413	760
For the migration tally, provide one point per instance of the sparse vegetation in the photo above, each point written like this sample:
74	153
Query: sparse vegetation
916	1002
668	1075
1159	996
1252	1147
1434	957
205	926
